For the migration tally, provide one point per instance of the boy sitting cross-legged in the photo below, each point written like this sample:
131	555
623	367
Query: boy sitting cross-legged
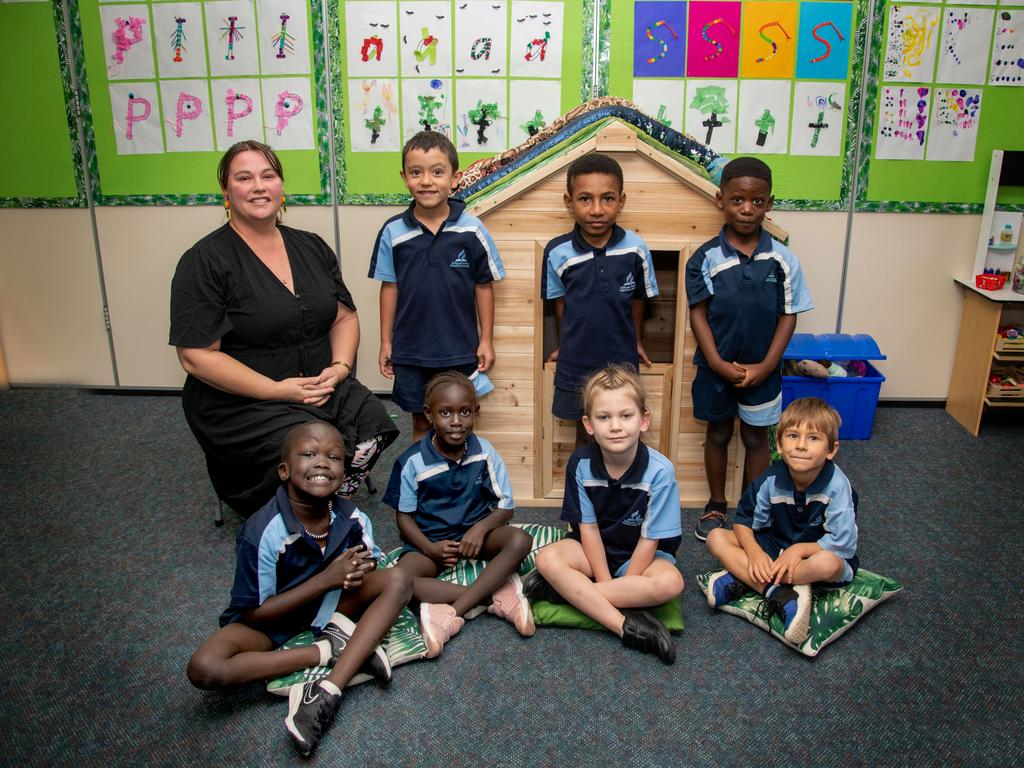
306	560
796	525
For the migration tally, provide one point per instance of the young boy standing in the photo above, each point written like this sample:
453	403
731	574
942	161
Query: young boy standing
599	276
744	289
436	264
306	559
796	524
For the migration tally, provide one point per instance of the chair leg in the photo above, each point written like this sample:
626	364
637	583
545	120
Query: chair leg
218	514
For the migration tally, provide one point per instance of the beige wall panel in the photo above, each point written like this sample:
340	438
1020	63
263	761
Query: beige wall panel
51	310
817	240
900	290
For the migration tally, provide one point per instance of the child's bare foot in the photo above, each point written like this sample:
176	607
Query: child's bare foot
509	603
439	624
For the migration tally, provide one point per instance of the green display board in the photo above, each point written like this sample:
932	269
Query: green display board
36	149
934	184
142	161
764	62
479	59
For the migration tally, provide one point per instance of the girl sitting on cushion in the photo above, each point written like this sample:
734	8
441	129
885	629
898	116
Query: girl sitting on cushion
453	500
622	505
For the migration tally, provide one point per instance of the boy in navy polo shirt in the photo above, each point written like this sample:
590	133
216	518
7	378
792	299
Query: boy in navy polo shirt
453	500
436	264
622	505
305	560
744	289
599	276
795	525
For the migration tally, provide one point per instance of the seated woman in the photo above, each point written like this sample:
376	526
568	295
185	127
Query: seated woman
268	334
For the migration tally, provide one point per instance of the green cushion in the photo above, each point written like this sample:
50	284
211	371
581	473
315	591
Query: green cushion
559	615
834	611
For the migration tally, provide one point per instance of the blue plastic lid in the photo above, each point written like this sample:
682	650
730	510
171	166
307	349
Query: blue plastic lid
832	346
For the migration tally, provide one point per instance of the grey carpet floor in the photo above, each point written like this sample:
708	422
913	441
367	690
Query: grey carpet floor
112	574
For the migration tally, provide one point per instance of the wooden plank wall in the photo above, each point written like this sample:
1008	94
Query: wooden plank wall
661	209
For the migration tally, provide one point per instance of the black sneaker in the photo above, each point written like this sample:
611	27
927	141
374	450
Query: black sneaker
536	587
709	520
311	710
792	605
338	632
643	632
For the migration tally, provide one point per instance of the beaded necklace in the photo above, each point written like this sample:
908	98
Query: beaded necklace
325	534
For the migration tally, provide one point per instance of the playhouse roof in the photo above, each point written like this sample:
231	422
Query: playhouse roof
608	124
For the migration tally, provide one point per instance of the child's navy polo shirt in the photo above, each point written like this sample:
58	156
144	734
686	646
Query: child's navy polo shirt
598	286
272	555
445	497
643	502
435	319
747	295
825	512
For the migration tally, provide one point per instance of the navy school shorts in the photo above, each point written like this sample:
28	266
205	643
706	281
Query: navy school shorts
411	383
714	399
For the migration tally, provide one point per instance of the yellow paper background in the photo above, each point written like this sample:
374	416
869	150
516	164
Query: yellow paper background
782	64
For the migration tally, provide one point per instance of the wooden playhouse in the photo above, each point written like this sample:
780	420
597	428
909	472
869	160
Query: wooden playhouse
671	204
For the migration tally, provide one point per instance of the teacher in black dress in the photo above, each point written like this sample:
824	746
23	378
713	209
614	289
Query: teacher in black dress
268	334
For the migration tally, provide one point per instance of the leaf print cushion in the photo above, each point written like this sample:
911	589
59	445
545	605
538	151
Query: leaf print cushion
834	611
404	643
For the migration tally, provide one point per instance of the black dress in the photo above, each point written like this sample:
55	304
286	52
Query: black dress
221	290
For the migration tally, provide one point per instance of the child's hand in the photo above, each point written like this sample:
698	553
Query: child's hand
641	353
755	374
473	541
445	553
759	567
347	570
553	357
731	372
484	356
785	565
384	360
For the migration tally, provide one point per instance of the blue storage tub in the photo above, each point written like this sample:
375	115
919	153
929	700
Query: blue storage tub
855	398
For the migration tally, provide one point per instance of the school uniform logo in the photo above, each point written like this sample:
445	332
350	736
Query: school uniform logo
771	278
629	286
635	519
460	261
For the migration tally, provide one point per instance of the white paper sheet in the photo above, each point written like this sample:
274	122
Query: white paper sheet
527	98
188	122
481	37
371	39
664	100
426	38
127	41
288	111
231	38
902	122
953	130
819	111
711	108
178	30
136	110
1008	49
481	115
237	111
963	49
536	39
373	116
284	37
763	124
426	103
911	43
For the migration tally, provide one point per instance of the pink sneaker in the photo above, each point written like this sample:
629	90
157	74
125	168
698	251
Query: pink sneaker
509	603
439	624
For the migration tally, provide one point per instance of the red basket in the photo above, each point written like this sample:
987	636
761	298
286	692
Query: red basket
990	282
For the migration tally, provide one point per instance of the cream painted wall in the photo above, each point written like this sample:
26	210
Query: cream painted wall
899	288
51	311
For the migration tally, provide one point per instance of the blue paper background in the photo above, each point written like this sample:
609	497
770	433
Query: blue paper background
835	67
645	14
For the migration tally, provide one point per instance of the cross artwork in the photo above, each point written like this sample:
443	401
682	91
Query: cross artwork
817	126
711	123
711	100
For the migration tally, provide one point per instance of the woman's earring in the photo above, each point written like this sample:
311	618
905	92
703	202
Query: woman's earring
227	208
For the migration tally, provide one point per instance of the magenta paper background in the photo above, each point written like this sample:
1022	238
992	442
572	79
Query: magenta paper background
728	63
